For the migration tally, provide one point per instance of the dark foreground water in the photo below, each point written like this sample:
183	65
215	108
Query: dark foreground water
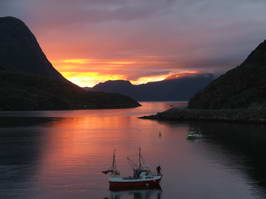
63	158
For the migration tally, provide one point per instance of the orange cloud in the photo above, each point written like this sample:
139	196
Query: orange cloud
181	74
120	62
94	61
155	78
75	61
144	80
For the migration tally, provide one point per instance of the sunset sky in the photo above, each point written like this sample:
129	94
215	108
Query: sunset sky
91	41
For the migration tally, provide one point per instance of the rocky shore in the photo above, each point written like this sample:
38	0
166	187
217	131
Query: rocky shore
225	115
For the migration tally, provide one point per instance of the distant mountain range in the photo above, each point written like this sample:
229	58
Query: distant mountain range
241	87
28	81
239	95
171	88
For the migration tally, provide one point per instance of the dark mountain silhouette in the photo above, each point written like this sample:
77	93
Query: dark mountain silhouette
182	88
241	87
20	51
28	81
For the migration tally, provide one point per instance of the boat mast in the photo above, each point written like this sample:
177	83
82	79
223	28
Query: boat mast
140	164
114	161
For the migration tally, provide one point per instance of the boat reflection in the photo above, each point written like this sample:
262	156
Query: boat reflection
137	194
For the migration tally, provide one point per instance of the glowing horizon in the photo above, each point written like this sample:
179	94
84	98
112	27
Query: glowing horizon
141	41
72	70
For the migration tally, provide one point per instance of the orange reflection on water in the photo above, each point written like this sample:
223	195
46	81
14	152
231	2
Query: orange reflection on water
75	142
77	147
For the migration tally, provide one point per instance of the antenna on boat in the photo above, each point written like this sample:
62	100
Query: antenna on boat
132	163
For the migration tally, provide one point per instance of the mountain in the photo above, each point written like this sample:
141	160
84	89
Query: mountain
182	88
28	81
241	87
20	51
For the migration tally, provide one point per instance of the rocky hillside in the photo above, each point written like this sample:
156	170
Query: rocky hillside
241	87
28	81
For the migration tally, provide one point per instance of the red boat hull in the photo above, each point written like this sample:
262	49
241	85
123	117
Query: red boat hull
134	185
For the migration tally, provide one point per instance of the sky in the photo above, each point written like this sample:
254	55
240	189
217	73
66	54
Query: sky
92	41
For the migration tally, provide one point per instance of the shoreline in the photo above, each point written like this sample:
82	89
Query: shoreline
87	107
216	115
11	121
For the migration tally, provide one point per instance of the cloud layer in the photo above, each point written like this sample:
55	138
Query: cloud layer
143	38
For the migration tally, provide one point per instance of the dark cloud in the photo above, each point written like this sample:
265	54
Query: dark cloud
65	12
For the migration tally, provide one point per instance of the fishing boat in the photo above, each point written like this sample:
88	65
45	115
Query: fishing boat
194	135
142	177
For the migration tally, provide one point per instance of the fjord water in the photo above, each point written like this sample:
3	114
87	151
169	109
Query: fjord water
63	157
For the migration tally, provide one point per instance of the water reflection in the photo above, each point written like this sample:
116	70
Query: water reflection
136	194
64	158
243	144
10	121
20	151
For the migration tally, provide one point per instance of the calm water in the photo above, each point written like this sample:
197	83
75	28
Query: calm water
63	158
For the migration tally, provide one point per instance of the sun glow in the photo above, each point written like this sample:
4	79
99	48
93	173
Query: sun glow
89	72
90	79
